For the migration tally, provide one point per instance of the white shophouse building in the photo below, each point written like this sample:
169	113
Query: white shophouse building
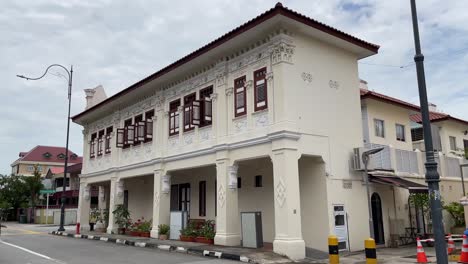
263	119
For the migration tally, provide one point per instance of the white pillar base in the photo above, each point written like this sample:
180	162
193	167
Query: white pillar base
293	249
84	228
227	239
154	233
112	230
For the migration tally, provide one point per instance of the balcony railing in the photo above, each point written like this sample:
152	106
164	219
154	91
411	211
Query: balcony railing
406	161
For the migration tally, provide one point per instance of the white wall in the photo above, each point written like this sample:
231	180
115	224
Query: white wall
140	197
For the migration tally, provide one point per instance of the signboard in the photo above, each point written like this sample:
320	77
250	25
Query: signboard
47	191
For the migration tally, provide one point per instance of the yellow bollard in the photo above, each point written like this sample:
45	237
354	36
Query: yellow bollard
371	253
333	256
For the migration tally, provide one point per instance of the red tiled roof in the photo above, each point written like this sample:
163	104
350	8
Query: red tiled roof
277	10
37	154
56	170
75	168
434	116
387	99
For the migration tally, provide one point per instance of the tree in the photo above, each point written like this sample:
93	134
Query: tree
33	185
13	193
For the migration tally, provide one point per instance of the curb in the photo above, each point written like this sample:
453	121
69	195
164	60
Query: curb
169	248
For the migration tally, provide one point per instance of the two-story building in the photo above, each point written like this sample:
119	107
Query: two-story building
253	121
395	125
45	158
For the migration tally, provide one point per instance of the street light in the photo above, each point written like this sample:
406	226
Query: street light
70	79
365	160
432	176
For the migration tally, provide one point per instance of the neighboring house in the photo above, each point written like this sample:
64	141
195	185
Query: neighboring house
262	119
71	194
45	157
394	124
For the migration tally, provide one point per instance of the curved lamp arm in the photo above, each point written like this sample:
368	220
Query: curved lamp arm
53	65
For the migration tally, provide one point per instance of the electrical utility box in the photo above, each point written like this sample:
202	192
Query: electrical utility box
178	221
252	235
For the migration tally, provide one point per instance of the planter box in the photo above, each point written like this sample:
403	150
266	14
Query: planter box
145	234
135	233
187	238
457	230
204	240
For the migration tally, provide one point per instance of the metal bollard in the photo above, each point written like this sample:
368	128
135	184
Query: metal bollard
371	253
333	256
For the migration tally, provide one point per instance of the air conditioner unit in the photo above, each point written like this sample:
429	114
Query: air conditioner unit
357	162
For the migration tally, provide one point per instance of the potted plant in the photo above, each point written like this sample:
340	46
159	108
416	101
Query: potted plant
122	218
100	225
163	231
207	233
94	215
134	228
189	233
145	228
457	212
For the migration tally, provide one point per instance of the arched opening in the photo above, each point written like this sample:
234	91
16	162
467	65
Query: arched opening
377	219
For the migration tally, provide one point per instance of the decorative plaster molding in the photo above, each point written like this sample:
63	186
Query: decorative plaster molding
334	84
221	195
261	120
307	77
249	84
280	193
204	134
188	138
214	97
269	76
240	125
229	91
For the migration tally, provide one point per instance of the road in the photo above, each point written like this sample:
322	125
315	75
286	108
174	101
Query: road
31	244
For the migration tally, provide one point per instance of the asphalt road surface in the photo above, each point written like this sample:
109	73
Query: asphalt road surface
31	244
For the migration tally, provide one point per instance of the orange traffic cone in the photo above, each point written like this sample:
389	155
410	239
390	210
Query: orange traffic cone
464	253
451	245
421	255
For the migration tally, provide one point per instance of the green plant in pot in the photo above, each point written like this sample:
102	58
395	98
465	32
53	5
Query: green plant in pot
207	233
121	218
94	217
163	231
189	233
456	210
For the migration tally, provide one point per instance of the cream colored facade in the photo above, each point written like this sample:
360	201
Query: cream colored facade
404	159
296	144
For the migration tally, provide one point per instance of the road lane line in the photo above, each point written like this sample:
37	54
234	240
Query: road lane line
27	250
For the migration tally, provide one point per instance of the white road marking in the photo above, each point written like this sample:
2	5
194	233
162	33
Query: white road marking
27	250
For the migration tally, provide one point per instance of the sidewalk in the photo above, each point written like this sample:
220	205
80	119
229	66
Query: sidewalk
232	253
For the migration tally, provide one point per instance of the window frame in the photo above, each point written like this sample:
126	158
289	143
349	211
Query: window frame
256	79
454	147
174	117
128	123
100	141
137	126
107	143
239	84
149	131
202	198
203	104
403	137
188	112
258	181
92	145
376	120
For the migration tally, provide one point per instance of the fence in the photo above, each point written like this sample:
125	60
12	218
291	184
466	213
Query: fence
406	161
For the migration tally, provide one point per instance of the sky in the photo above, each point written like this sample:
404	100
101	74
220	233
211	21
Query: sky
117	43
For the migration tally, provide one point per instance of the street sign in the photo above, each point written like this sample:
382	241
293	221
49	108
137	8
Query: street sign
47	191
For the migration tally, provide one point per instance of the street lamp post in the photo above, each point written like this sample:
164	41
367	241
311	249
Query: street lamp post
70	79
432	176
365	160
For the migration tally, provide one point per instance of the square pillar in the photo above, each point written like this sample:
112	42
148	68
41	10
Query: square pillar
227	218
288	231
116	197
161	200
84	204
102	198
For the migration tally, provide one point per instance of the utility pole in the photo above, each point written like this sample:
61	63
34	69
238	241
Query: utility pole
432	176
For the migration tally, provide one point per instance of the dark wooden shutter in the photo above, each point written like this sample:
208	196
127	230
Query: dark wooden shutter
260	90
141	130
130	134
195	111
240	96
120	137
207	109
202	198
149	129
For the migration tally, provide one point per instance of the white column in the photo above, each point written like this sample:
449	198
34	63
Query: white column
84	203
102	198
116	197
161	200
288	231
227	218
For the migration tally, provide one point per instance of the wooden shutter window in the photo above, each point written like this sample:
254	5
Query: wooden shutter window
149	125
174	117
260	89
107	145
195	111
140	131
188	112
130	135
92	146
240	96
206	115
137	130
120	137
202	198
100	143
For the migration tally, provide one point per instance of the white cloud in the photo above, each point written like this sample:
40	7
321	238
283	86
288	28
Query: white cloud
117	43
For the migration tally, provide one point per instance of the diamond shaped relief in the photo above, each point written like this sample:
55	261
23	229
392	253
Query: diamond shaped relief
280	193
221	196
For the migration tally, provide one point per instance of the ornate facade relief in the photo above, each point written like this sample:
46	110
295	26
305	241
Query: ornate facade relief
282	52
280	193
188	138
205	134
261	119
240	125
173	142
221	196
